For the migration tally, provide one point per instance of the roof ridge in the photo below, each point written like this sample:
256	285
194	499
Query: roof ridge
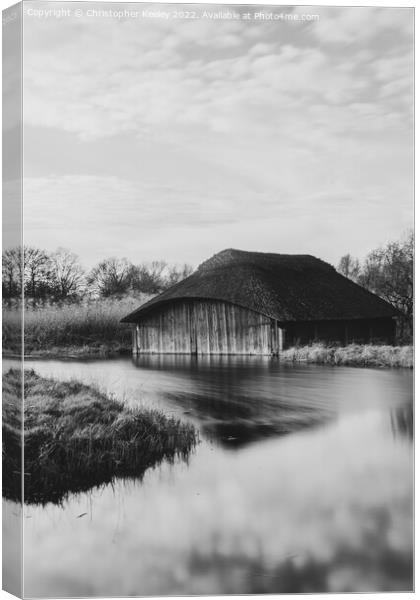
229	255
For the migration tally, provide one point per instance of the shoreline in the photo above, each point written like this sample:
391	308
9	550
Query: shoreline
72	352
78	438
353	355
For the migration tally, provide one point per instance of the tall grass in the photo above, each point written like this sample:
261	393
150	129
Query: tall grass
353	355
94	327
89	327
76	437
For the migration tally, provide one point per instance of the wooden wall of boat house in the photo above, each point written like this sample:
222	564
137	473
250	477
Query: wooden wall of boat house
205	327
340	331
216	327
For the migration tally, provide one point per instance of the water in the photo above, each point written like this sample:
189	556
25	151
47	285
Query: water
302	482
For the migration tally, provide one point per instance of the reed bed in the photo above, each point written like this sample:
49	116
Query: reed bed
357	355
94	328
91	327
77	437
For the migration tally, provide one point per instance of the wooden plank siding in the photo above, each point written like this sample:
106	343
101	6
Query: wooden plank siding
216	327
205	327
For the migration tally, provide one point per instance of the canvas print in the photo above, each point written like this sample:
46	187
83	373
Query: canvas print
207	299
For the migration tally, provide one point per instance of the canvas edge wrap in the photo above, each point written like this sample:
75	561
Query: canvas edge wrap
12	141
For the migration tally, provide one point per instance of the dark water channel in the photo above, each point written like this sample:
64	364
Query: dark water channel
302	482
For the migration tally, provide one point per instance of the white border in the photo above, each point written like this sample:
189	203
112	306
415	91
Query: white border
379	3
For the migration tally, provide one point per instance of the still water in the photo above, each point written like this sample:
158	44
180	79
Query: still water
302	482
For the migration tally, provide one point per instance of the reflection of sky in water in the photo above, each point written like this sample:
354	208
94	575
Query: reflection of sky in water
323	508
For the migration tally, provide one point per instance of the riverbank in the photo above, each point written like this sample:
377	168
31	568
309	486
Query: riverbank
93	329
73	352
86	328
355	355
77	437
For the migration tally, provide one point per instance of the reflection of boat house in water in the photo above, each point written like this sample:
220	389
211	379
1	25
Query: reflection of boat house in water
255	303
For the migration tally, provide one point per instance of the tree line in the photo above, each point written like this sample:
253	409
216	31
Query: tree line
59	276
387	271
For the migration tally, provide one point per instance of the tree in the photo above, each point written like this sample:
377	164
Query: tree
154	277
148	277
12	268
37	272
349	267
67	275
111	276
176	274
388	272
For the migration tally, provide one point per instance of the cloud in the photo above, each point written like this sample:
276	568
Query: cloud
261	135
342	26
146	205
145	77
130	218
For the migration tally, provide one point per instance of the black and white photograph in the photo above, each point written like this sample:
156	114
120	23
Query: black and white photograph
207	294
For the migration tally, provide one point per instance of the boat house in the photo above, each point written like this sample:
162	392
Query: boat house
256	303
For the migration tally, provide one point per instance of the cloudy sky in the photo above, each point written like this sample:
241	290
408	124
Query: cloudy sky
163	138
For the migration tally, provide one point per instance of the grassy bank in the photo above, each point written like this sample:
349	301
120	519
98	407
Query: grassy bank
353	355
76	437
88	328
93	328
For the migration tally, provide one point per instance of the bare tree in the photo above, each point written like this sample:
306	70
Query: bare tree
349	267
388	272
111	276
148	277
176	274
37	272
12	271
154	277
66	273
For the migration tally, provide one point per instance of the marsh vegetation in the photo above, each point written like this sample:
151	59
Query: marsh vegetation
93	328
73	311
355	355
77	437
85	328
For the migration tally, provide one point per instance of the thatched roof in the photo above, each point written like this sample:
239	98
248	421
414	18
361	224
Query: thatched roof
286	287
